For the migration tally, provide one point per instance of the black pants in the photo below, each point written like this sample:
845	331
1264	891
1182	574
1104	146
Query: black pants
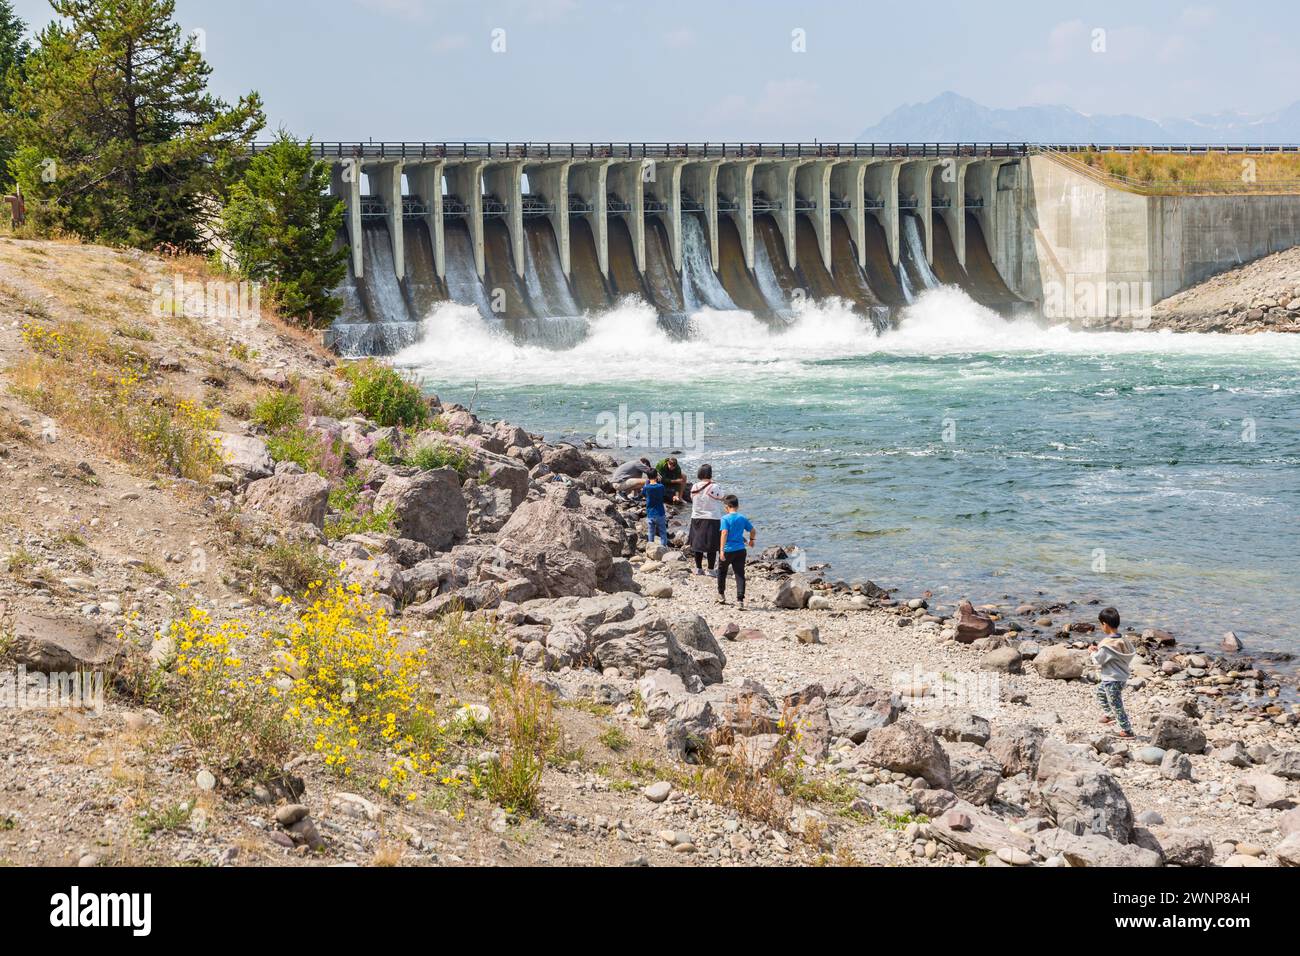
735	560
701	555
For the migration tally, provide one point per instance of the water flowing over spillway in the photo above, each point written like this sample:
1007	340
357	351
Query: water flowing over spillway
534	302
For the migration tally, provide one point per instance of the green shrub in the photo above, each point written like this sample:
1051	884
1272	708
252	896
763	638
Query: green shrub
439	455
384	395
354	517
276	411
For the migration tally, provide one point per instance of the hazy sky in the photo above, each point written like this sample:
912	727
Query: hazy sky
671	70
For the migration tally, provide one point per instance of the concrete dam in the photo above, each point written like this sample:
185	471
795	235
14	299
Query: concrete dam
536	237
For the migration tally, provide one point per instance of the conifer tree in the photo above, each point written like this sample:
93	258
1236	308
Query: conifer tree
115	131
284	230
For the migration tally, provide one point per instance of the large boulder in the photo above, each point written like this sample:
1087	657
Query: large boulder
567	460
906	747
559	519
960	726
287	497
52	645
1285	763
794	593
1016	747
243	456
1093	849
649	641
1288	851
1264	791
855	714
976	773
1184	847
1176	732
1087	801
427	507
1059	662
588	613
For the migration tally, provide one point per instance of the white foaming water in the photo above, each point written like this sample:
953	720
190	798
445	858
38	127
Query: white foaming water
628	344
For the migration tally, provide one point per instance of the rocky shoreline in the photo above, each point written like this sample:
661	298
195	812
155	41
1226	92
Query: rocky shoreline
974	725
1259	296
828	721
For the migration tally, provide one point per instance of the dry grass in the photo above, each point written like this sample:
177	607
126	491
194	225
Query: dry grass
1187	174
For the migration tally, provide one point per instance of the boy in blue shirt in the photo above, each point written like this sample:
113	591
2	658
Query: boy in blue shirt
655	513
734	528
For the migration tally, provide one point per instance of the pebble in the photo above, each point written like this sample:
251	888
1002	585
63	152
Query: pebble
658	792
205	780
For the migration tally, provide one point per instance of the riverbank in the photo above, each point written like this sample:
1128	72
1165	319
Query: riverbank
556	694
1259	296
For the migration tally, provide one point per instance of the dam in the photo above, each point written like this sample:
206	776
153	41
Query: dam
536	236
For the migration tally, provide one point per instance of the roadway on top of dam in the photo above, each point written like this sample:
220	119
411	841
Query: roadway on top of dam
372	149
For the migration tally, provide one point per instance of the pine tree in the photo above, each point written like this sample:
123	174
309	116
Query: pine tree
116	133
13	52
283	230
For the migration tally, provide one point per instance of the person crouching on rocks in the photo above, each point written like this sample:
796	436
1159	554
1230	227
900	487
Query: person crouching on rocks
630	477
655	514
1113	654
734	528
707	509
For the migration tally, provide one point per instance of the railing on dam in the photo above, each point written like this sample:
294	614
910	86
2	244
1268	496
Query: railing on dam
545	151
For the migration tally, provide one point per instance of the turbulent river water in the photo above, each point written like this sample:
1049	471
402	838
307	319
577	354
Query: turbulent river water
959	452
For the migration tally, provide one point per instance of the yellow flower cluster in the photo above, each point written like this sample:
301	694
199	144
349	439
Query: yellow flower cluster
340	679
357	687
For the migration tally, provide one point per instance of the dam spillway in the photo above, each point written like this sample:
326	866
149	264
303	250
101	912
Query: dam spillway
535	237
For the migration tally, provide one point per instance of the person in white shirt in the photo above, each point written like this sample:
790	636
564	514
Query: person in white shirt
707	509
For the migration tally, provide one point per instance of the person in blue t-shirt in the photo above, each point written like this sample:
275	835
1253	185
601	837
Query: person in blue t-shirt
734	528
655	513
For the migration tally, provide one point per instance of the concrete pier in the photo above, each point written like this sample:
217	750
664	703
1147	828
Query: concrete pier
625	187
813	190
588	182
550	181
736	194
776	182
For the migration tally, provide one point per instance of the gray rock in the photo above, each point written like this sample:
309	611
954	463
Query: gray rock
295	498
658	792
1093	849
1017	747
1285	764
1006	660
51	645
960	726
975	772
244	456
1184	847
976	833
906	747
1176	732
1175	766
794	593
1059	662
427	507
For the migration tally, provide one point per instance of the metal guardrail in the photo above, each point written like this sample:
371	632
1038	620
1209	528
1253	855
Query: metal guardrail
557	151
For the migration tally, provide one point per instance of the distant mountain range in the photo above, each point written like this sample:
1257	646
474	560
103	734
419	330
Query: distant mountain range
952	118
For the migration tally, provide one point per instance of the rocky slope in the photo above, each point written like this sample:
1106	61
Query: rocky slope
1260	296
827	722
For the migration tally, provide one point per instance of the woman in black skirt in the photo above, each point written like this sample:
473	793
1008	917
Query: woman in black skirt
707	509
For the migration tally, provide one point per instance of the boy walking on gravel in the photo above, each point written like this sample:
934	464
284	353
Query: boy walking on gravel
734	528
655	514
1113	654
